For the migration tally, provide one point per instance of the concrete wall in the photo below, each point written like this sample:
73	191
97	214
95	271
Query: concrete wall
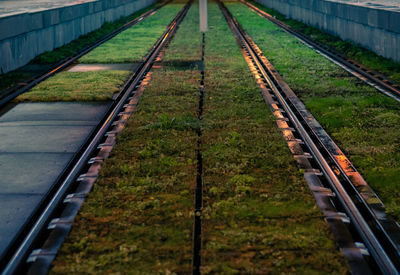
24	36
374	29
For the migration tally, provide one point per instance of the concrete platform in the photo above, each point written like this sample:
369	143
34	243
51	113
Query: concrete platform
38	141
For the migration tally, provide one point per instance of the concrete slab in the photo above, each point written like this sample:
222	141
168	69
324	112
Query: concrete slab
38	141
42	139
13	212
47	123
56	111
103	67
38	170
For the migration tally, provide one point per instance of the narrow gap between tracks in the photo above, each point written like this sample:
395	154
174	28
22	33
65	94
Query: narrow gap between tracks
199	177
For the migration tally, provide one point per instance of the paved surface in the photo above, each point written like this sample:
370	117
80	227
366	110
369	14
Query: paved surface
378	4
38	140
8	7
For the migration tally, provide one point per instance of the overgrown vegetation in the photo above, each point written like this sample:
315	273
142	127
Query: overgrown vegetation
370	59
362	121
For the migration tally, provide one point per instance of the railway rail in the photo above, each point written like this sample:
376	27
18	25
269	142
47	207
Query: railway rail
13	92
374	79
34	254
339	189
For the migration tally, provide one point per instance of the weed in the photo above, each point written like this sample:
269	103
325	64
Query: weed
184	122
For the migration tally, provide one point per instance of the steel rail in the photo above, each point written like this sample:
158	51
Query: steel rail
363	228
380	223
63	64
383	85
26	245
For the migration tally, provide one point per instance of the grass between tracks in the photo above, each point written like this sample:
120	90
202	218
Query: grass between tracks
364	123
370	59
77	86
138	219
259	215
20	75
133	44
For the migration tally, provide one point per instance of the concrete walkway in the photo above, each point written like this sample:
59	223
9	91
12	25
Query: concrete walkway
38	141
8	8
374	4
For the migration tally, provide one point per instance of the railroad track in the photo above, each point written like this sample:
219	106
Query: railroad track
39	246
372	78
371	241
13	92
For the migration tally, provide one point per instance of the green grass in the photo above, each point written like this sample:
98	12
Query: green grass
129	46
362	121
11	79
87	39
185	49
370	59
77	86
138	219
20	75
259	215
133	44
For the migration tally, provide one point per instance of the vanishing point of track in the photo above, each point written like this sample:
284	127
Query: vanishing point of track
378	234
